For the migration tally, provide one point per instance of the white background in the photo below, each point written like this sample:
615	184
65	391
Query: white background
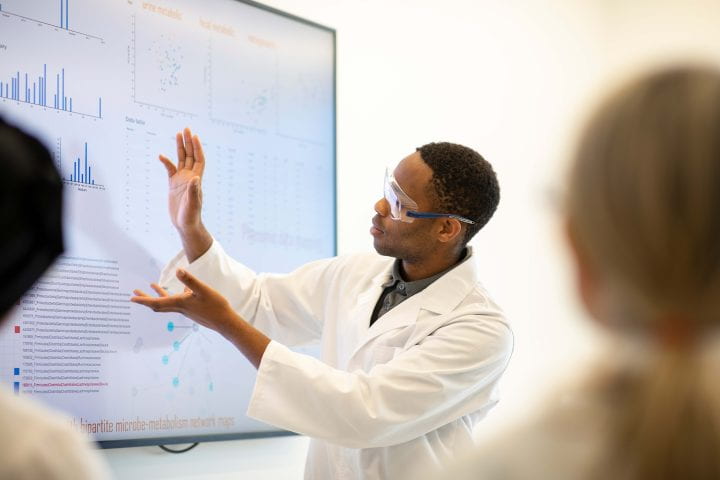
511	79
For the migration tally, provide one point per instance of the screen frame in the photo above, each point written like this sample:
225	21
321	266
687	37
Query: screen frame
185	439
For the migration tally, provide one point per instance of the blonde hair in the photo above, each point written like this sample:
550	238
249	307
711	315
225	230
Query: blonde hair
644	211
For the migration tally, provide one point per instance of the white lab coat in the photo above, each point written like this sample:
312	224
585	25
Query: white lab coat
383	401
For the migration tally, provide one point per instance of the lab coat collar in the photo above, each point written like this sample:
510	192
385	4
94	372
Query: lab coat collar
444	294
440	297
386	275
382	277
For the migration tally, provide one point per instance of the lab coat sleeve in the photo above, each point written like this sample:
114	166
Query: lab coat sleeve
288	308
450	374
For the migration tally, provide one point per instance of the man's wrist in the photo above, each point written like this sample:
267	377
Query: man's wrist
246	338
196	241
191	230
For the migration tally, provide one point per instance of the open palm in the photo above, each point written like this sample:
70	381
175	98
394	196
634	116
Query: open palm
185	194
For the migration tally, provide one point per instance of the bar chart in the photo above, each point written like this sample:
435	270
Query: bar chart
33	89
60	12
82	172
64	14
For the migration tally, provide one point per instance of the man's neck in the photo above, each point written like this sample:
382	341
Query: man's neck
424	268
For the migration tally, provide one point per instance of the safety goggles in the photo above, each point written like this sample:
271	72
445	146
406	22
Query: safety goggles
404	208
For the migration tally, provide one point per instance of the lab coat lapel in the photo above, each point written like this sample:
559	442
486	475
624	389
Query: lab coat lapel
359	316
401	316
441	297
444	295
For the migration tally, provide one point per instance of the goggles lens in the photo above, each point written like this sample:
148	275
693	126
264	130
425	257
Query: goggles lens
398	200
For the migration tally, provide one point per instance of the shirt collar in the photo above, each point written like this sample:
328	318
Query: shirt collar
409	289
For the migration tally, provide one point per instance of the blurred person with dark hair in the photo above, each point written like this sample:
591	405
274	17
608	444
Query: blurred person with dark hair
34	443
412	346
643	223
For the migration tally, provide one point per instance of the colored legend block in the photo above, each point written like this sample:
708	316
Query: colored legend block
16	371
17	328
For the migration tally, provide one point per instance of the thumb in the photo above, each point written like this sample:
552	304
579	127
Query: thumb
171	169
191	282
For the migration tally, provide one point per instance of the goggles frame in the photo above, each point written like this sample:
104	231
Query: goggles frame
404	208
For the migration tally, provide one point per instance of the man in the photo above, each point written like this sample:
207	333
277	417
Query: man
34	443
411	349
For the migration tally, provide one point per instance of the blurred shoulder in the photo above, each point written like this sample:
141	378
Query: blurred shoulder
38	443
562	442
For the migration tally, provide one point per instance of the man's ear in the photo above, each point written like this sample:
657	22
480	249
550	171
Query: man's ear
450	229
586	279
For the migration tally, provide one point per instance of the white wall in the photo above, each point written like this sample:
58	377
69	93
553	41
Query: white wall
511	79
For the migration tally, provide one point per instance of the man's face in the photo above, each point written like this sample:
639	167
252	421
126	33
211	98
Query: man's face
394	238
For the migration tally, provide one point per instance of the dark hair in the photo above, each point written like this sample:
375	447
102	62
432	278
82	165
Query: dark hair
464	183
30	213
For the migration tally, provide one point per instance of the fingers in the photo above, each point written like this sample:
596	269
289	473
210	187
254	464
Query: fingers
191	282
170	303
164	304
159	290
199	155
189	150
168	165
180	151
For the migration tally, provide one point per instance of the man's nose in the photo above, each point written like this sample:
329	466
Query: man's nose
382	207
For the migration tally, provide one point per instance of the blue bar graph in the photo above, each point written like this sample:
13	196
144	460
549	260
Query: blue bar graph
35	92
64	23
64	14
82	170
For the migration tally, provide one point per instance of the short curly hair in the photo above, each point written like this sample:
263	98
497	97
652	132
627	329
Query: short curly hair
463	183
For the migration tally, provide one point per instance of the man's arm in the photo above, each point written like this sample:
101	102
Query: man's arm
451	373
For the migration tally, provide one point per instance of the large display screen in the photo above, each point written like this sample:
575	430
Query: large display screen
106	85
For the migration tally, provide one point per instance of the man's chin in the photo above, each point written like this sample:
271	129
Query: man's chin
382	249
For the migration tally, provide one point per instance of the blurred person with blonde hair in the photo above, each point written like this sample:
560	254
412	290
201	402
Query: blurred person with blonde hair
643	224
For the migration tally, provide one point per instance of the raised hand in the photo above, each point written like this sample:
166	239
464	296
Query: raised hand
185	193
